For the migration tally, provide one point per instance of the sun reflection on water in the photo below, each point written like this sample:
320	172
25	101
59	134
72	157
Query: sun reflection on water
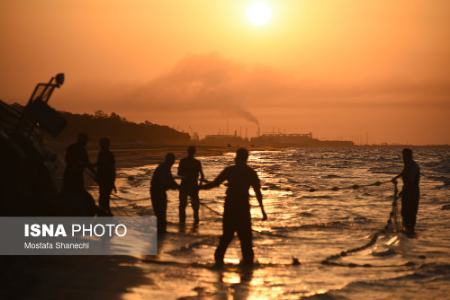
302	224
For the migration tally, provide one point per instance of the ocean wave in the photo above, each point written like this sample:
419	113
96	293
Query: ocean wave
306	214
315	197
271	186
385	169
360	220
445	207
315	226
442	166
330	176
443	179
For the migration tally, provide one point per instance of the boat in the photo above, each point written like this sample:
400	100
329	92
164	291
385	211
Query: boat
30	173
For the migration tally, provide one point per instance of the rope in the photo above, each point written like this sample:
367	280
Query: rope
392	220
128	199
93	177
372	241
351	187
257	231
335	188
329	260
211	209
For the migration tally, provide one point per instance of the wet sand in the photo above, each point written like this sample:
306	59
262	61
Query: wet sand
70	277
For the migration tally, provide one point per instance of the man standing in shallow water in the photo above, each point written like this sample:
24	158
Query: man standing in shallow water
410	193
77	160
190	169
162	181
236	216
106	175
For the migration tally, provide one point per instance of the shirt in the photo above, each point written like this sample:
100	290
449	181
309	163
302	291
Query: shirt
240	178
76	158
162	178
106	167
189	169
411	176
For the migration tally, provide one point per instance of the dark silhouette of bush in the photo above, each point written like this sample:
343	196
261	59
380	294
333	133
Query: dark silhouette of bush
120	130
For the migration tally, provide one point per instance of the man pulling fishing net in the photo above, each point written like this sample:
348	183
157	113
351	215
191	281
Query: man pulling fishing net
236	216
410	193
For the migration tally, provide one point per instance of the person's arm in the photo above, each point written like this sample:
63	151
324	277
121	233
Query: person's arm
418	174
113	164
202	175
257	188
394	179
98	162
216	182
95	164
86	163
180	169
172	183
95	168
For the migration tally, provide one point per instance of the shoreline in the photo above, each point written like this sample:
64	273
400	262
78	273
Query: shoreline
134	157
128	156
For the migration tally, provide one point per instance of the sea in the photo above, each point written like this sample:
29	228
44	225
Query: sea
324	237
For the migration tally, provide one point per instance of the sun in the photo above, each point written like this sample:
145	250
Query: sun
259	13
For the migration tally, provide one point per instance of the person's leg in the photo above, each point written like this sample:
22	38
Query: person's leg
164	212
157	198
79	182
413	208
182	206
244	231
225	239
409	210
195	202
412	221
155	201
102	197
108	199
404	213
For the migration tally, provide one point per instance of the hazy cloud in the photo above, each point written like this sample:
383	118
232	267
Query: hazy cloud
211	82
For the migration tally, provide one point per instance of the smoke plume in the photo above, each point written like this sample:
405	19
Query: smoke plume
198	83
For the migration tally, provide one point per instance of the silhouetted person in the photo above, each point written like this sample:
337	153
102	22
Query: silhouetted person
190	169
162	180
410	193
77	160
106	174
236	216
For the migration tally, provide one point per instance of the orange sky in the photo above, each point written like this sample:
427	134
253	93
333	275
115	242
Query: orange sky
338	68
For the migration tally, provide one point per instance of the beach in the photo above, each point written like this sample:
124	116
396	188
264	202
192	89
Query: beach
303	224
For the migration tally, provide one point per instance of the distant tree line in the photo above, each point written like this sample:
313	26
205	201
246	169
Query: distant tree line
120	130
